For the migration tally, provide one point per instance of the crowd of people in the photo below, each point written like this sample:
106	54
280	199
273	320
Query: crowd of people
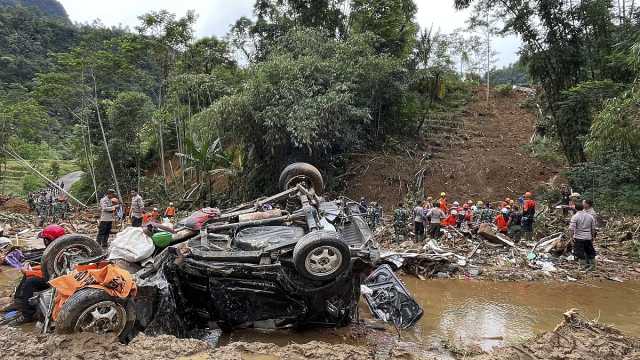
514	218
139	215
48	207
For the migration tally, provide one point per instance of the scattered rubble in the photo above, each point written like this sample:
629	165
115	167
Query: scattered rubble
484	254
574	338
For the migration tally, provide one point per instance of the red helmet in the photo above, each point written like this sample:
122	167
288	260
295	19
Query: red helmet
51	232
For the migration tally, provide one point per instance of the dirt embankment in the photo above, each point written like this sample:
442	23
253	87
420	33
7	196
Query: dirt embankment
477	155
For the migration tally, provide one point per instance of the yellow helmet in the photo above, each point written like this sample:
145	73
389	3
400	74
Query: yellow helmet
443	194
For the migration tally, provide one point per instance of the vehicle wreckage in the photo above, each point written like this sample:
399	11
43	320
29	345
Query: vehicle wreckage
292	259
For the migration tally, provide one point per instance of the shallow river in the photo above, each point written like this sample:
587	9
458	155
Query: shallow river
490	314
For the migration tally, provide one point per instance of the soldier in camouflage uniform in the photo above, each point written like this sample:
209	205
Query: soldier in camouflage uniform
400	221
42	208
374	213
59	211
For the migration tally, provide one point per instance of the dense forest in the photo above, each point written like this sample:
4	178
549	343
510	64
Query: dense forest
156	108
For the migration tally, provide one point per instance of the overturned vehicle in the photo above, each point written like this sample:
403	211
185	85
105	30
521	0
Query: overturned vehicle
292	259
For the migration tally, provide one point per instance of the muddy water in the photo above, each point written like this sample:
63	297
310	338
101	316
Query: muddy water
488	314
491	314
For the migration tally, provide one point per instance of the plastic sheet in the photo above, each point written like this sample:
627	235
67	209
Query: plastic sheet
131	245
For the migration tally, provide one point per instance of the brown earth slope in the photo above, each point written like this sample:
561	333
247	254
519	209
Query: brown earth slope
477	155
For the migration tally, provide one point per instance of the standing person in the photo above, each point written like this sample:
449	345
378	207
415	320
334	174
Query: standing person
426	206
587	205
515	223
155	215
502	221
443	202
31	202
528	215
583	231
137	207
400	219
436	215
363	205
468	214
107	209
451	220
374	213
170	212
418	218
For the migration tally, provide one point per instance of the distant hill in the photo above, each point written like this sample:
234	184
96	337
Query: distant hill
48	7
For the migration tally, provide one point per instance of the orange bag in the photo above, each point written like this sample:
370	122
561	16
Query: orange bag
110	278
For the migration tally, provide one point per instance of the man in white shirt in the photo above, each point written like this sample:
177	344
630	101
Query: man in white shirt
106	218
583	230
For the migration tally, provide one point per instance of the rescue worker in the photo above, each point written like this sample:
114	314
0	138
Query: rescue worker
477	212
363	205
452	219
400	220
107	209
502	221
137	208
59	209
468	214
426	206
487	214
528	215
170	212
436	215
42	205
515	223
31	202
155	215
32	280
583	231
374	213
418	221
587	204
443	202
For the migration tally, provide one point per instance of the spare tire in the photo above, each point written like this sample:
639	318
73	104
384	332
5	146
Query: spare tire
56	257
93	310
301	172
321	255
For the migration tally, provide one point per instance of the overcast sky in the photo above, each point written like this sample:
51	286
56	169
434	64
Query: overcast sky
215	16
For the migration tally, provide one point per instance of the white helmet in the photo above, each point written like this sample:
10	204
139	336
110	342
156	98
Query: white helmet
454	212
455	203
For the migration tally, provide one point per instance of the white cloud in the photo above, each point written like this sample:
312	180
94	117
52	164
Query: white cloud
216	16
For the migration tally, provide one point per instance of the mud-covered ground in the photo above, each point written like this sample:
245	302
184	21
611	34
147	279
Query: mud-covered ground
573	338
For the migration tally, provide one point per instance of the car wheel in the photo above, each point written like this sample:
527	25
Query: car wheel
95	311
57	257
321	255
300	172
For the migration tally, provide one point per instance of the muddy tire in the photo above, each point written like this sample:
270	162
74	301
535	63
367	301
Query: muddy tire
301	173
321	255
55	259
93	310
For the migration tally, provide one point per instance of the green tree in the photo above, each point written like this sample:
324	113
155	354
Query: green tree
393	21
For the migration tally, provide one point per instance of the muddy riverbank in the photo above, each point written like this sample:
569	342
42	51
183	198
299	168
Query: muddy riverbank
574	338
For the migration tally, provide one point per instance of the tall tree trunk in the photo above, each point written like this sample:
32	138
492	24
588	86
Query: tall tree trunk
88	152
104	137
161	139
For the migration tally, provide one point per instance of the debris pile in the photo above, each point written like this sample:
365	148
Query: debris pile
574	338
481	252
